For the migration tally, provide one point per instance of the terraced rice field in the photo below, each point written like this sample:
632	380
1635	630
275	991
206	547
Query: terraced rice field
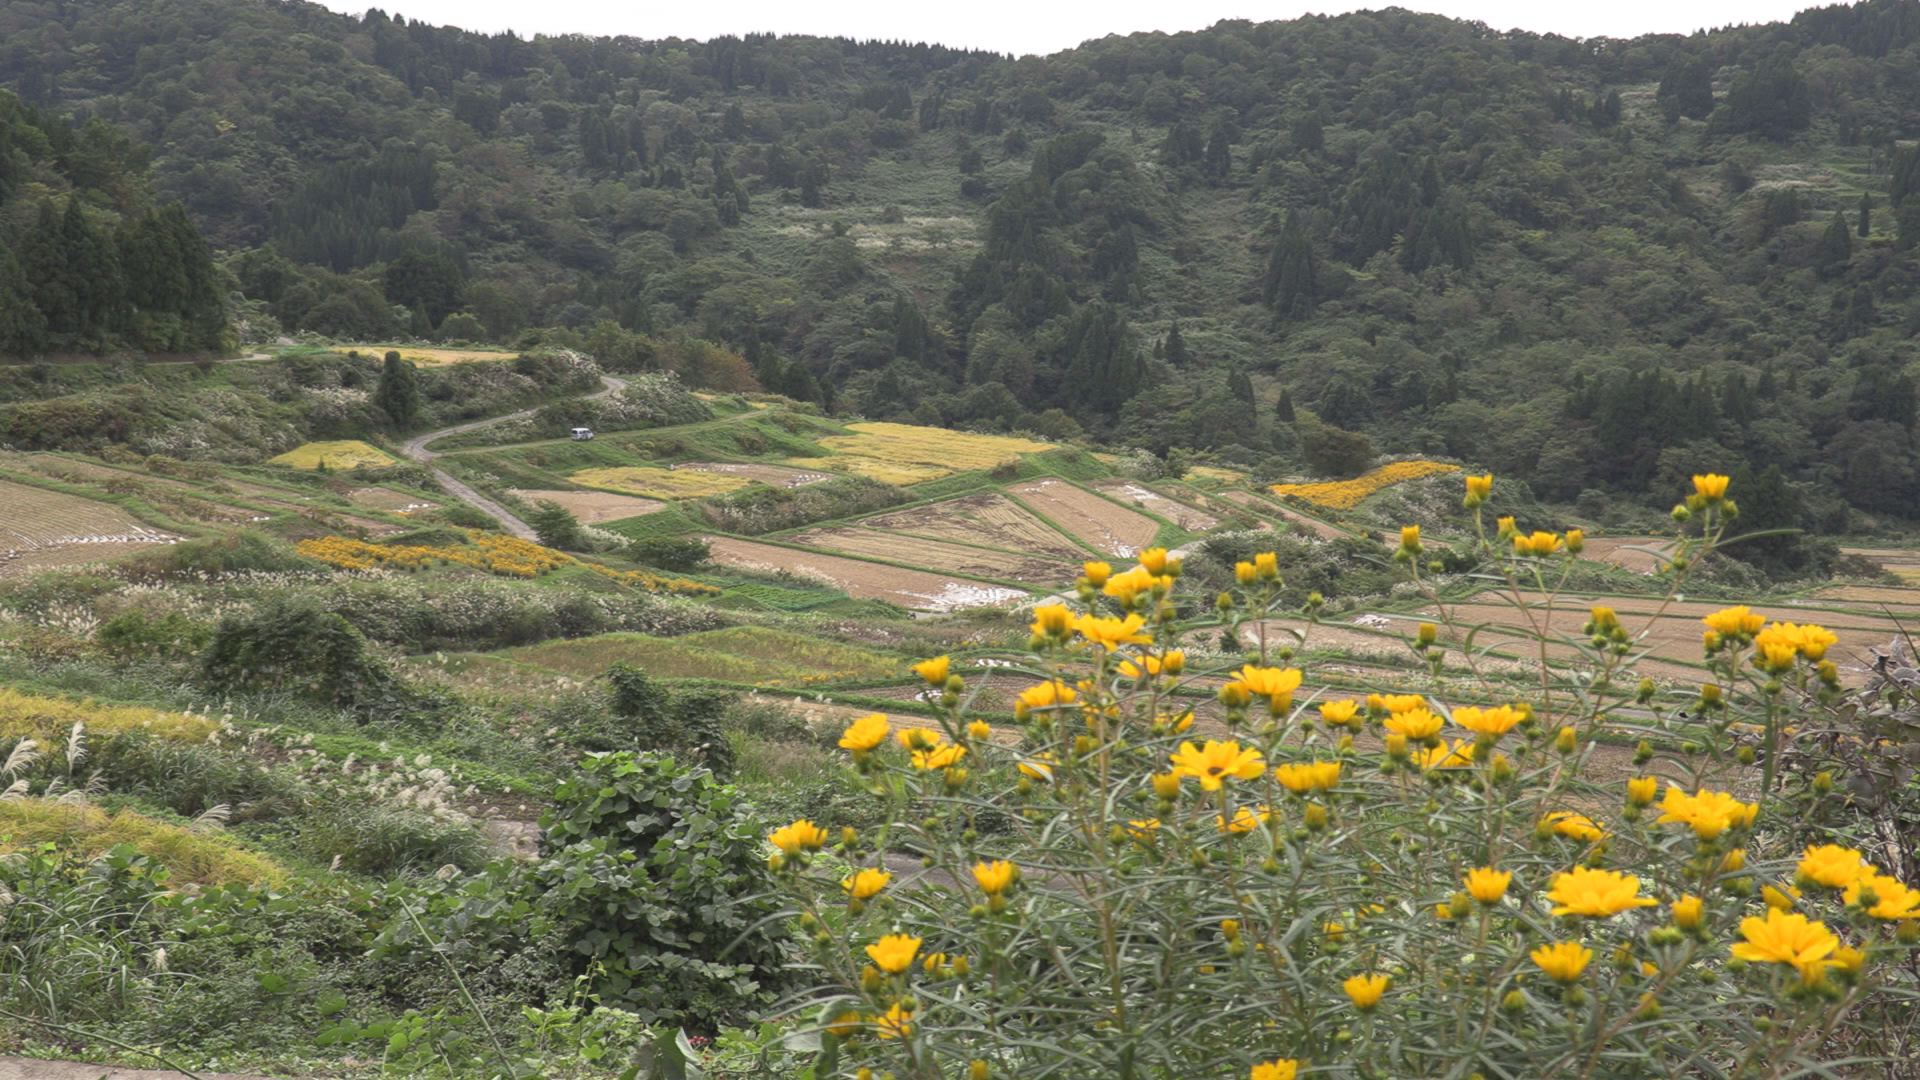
917	589
988	518
44	528
1902	604
590	507
658	483
770	475
396	502
1134	493
1641	554
958	558
337	454
953	451
897	473
738	654
1347	494
1254	502
1104	525
1902	562
1214	475
435	357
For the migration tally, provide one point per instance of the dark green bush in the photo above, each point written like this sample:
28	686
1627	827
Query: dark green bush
138	635
296	646
670	552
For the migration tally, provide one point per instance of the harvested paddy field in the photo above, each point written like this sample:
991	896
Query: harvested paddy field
770	475
1261	505
918	589
987	518
44	528
395	502
1098	522
1902	562
656	483
959	558
1134	493
1901	603
1641	554
590	507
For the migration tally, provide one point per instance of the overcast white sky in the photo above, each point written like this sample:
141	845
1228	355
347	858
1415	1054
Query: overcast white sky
1030	27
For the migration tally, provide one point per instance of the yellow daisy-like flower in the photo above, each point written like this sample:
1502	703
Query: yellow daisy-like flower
1537	544
1172	723
1397	703
1574	826
1787	937
1495	721
1217	762
1052	620
1735	622
865	733
1040	766
1113	633
1141	828
894	953
1410	537
1245	819
895	1023
1891	898
1507	526
1488	885
1302	777
846	1025
979	730
1602	619
1597	894
1342	713
1150	666
1044	695
1642	789
867	883
1277	1069
1709	813
1275	684
1688	911
934	671
1806	640
1096	573
1267	564
1479	487
1365	990
1127	586
920	738
1155	560
1710	486
1416	724
939	757
994	877
1440	757
1834	866
802	835
1563	961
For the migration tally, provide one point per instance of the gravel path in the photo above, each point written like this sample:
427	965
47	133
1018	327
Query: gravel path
415	449
18	1068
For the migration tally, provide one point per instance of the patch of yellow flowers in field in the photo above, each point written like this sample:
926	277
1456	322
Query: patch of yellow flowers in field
1347	494
508	556
1175	869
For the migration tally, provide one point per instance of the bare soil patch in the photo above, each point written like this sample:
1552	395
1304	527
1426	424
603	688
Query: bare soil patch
990	519
591	507
1144	497
1260	505
44	528
771	475
917	589
922	551
1096	521
1630	552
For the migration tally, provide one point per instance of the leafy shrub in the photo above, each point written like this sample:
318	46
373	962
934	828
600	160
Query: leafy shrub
761	509
556	527
648	716
480	614
136	634
670	552
296	646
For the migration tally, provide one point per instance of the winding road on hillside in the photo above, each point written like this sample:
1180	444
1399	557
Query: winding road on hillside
415	449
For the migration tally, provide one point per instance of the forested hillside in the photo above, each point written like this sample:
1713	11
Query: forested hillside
1391	232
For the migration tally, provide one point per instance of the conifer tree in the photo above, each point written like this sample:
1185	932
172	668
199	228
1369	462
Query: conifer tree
1836	247
1865	225
1290	285
398	394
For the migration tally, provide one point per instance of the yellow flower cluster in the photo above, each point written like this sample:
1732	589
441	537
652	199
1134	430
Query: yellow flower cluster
496	554
1347	494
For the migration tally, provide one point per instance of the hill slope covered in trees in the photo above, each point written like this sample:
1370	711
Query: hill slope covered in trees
1393	232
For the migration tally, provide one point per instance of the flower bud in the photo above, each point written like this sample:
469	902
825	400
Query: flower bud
1315	816
1427	635
1645	691
977	1070
1566	741
1166	785
1514	1002
1823	782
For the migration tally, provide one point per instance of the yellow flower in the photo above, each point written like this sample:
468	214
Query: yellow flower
1776	899
1267	564
1166	785
1052	621
846	1025
864	884
920	738
1155	560
1439	757
1641	790
1142	828
1301	778
1245	572
1538	544
1275	684
1574	826
1892	899
1735	622
1495	721
1365	990
802	835
1040	767
1563	961
1479	487
1410	538
1710	486
938	757
865	733
1735	861
994	877
1149	666
1044	695
1213	764
1342	713
1398	703
1096	573
935	671
894	953
1172	723
1834	866
1245	819
1784	639
1415	724
1848	958
1709	813
1603	619
1688	912
1576	540
1598	894
1507	526
1277	1069
1125	587
979	731
1112	633
1488	885
1785	937
897	1023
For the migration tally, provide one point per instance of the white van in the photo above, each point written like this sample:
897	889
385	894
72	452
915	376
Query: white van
582	434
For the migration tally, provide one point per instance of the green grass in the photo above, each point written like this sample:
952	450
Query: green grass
741	654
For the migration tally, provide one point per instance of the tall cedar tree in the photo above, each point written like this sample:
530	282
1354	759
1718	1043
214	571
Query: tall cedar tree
398	393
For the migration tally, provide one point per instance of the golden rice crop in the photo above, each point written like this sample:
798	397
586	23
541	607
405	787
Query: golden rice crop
897	473
1347	494
660	483
190	856
47	720
939	447
505	555
338	454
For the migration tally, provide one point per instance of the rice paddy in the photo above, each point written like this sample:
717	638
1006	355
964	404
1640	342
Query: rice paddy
336	455
656	483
